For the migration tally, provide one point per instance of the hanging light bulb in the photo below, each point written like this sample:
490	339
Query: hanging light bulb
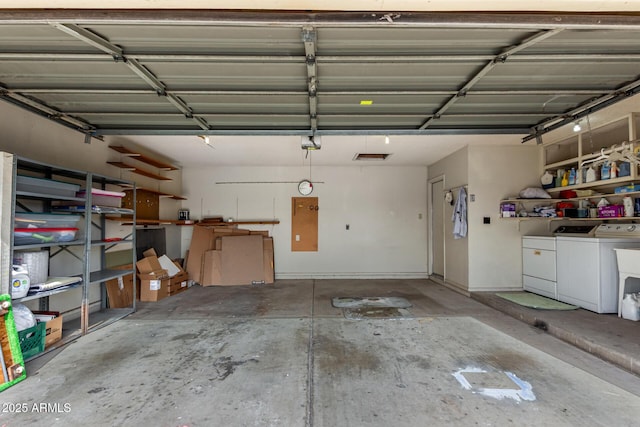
577	127
386	139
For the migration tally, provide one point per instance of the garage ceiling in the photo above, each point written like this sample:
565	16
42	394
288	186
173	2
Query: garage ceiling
267	73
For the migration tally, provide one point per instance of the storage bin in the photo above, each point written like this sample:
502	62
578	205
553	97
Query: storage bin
32	340
45	220
103	198
34	236
37	263
49	187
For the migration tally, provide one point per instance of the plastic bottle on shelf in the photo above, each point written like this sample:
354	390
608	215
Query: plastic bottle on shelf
613	172
603	202
591	175
605	172
20	282
627	202
565	179
559	176
572	176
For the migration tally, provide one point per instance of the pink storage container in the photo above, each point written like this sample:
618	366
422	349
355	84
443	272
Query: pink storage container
103	198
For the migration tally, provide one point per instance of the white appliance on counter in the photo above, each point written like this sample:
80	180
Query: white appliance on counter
587	274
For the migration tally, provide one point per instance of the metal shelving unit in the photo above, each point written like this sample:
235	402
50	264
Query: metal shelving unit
85	249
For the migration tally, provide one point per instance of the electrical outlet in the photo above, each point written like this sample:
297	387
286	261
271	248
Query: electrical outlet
486	220
419	216
297	237
347	227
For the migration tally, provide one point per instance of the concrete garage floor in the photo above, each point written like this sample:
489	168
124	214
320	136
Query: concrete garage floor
281	355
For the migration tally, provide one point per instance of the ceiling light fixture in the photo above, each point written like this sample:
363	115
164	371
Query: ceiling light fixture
386	139
577	127
205	138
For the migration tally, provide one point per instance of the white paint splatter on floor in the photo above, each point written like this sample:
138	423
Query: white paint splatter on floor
524	392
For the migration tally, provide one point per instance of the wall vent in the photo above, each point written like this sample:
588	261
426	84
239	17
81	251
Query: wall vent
371	156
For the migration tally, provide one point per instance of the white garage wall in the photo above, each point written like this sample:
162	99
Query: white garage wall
495	260
385	208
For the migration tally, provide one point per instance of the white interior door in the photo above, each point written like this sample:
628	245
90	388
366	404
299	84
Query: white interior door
437	227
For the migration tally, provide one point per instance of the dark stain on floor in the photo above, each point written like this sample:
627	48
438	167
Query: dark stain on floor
225	366
339	356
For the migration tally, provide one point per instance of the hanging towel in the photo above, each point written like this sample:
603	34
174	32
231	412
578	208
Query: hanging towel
459	216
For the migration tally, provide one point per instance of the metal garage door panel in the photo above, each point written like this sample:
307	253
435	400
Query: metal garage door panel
419	41
238	76
62	74
177	121
36	38
589	41
262	121
76	103
518	103
381	103
489	121
135	121
204	39
252	103
370	122
369	76
560	75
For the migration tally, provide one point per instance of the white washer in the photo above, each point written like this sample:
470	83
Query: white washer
587	273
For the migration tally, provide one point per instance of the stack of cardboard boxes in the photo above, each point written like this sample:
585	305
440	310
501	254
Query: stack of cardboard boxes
159	277
220	254
225	255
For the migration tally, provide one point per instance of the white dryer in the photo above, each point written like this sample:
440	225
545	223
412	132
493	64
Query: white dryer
587	274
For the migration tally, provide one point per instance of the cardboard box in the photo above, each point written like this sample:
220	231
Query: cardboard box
178	283
153	289
154	280
53	326
120	291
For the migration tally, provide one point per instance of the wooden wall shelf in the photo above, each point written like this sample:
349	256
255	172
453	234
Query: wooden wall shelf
254	222
127	221
160	194
142	158
142	172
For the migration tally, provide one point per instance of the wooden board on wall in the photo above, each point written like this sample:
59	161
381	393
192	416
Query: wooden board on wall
147	203
304	224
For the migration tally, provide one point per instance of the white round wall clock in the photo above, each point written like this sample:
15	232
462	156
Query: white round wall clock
305	187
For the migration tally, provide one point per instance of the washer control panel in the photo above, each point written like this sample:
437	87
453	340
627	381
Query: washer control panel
618	230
